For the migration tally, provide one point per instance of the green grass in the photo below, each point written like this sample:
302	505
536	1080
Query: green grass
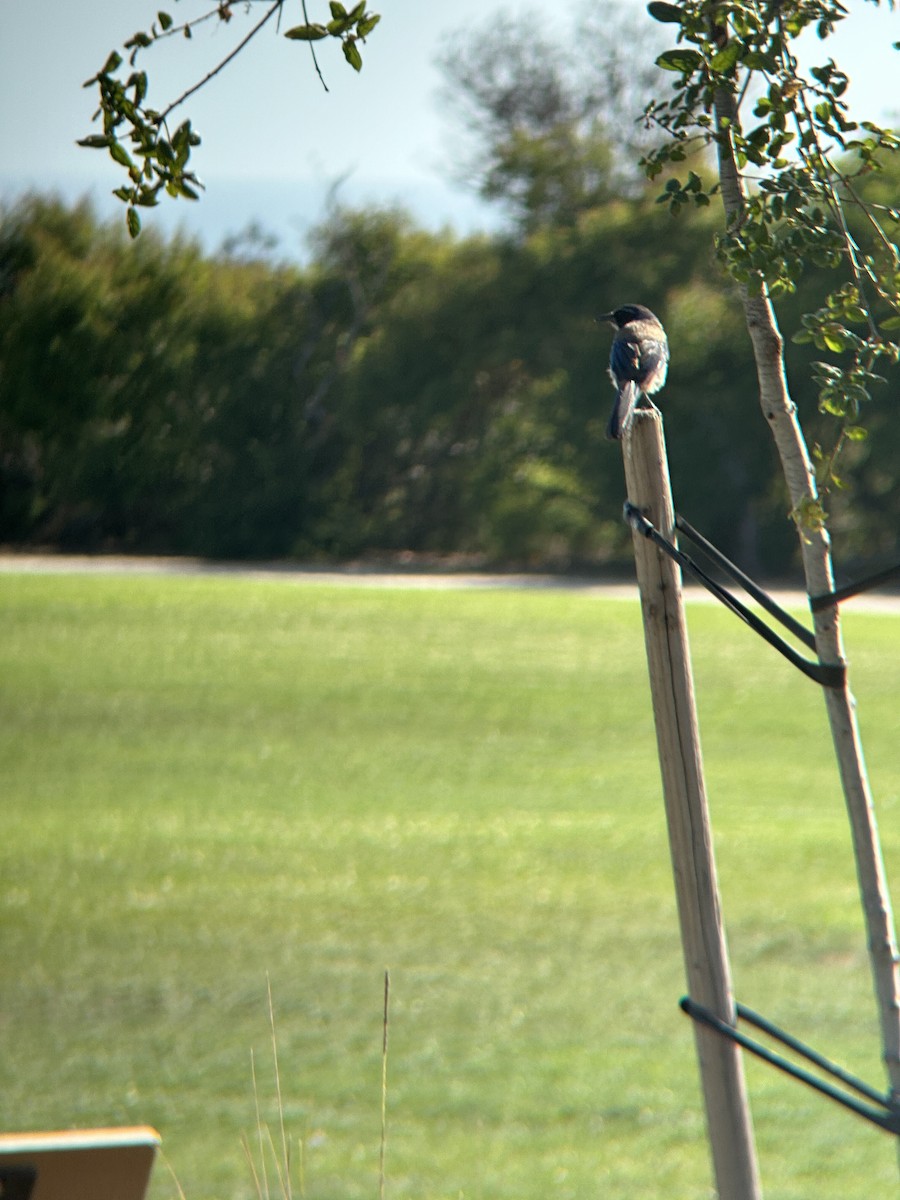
207	779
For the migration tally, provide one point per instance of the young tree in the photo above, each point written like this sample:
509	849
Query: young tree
791	163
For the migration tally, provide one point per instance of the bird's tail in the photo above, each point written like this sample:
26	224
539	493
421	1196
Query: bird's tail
623	411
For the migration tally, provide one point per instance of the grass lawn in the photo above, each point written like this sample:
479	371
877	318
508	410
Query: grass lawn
205	780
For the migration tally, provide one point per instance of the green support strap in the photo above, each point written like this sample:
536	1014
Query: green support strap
880	1110
826	674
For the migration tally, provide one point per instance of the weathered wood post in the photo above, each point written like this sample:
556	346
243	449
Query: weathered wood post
690	834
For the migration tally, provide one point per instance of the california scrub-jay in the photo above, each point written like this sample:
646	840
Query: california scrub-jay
638	362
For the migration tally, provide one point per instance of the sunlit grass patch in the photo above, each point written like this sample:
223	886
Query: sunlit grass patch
208	780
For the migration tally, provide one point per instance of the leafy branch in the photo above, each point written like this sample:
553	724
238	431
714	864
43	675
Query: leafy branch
156	160
802	161
350	27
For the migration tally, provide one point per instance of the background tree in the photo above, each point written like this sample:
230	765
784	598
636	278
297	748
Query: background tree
483	352
551	114
410	391
404	391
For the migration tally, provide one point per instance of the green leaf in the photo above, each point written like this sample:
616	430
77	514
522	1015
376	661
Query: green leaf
835	340
364	28
810	513
138	80
182	136
352	54
164	19
679	60
756	60
827	370
133	221
829	403
307	33
887	323
96	141
112	63
669	14
120	154
337	10
856	433
727	58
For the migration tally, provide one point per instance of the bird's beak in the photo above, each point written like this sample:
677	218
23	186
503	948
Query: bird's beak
606	318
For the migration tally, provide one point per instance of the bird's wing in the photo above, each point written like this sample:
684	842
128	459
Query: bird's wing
638	359
625	359
654	358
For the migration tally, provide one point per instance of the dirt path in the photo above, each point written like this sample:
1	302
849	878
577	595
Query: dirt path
364	576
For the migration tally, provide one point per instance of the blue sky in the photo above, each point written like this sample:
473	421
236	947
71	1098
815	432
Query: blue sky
274	141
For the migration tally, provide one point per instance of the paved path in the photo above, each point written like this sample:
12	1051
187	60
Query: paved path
364	576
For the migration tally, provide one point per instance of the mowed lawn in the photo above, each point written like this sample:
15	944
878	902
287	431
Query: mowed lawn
208	781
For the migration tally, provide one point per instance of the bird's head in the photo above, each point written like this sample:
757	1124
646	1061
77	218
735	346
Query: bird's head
628	313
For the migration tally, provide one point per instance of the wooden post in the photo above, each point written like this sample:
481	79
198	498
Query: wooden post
690	835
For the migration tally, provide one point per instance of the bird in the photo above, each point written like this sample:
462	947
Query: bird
638	362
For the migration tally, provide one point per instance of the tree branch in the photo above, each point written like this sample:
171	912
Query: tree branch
312	51
276	6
